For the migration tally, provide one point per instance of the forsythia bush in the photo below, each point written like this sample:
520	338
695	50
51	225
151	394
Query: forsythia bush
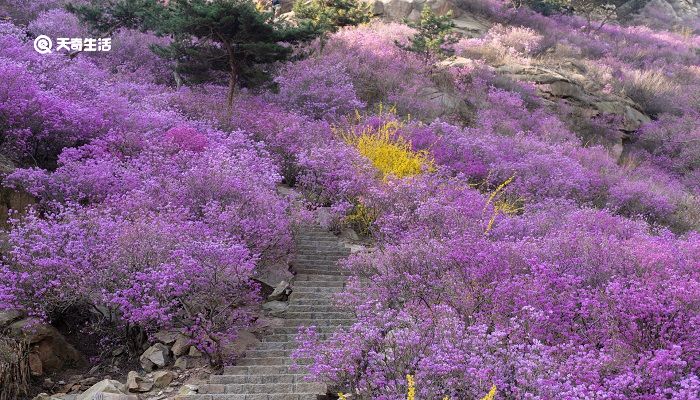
389	152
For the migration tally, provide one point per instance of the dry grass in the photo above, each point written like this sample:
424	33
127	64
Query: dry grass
652	90
14	368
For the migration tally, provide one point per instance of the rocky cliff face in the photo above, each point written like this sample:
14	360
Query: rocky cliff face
664	12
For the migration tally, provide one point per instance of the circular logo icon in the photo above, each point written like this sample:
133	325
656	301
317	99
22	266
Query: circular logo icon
43	44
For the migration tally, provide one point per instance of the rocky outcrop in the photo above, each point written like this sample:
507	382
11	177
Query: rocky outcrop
11	199
49	350
568	83
649	11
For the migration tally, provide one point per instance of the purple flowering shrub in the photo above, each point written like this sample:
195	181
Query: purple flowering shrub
525	256
36	123
185	214
318	88
153	220
556	302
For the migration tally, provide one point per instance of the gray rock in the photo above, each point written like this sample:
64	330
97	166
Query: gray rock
156	356
50	349
194	352
188	390
162	379
181	363
276	307
281	292
181	345
166	337
136	383
106	386
9	316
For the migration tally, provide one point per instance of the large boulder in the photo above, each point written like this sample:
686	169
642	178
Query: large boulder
49	349
569	84
103	389
399	10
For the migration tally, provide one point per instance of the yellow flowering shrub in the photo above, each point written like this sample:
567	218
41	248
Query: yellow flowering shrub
502	204
390	153
361	219
411	394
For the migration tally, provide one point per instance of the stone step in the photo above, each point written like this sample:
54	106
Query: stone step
313	245
321	296
290	337
247	370
321	244
315	307
319	284
321	269
263	388
331	255
306	301
317	322
318	290
318	314
283	345
316	238
257	396
248	378
318	278
311	270
272	361
317	257
269	353
292	330
331	265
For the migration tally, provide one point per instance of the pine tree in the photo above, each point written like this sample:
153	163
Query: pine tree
230	36
327	16
434	32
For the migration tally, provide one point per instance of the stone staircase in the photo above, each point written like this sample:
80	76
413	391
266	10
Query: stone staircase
267	373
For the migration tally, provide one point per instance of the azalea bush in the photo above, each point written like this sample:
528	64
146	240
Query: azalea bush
509	249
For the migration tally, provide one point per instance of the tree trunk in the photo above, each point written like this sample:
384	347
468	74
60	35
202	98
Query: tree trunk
232	80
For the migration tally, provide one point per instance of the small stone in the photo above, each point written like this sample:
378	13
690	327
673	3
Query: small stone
194	352
136	383
181	363
42	396
181	345
47	384
9	316
162	379
188	390
281	292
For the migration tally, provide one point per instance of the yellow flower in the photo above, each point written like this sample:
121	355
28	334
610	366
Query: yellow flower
491	395
389	152
341	396
411	388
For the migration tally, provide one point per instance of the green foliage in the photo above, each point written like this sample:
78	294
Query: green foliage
545	7
209	36
331	15
104	17
434	32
